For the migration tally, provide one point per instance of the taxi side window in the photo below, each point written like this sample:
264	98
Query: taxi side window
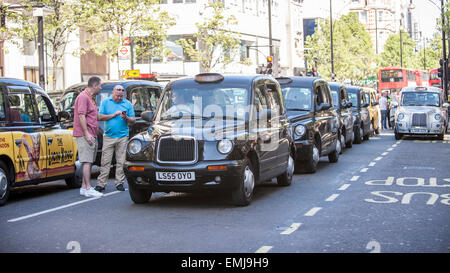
367	97
140	99
363	97
2	106
321	95
44	107
21	107
344	96
260	101
154	96
274	98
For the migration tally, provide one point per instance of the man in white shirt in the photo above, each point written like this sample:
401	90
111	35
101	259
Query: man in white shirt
383	109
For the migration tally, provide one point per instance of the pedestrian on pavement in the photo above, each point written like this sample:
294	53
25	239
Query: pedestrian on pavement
118	113
85	128
384	110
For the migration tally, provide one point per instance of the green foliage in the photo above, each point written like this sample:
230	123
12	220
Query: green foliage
216	45
109	22
353	50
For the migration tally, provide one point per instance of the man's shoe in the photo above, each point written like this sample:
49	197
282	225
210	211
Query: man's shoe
99	188
93	193
82	191
120	187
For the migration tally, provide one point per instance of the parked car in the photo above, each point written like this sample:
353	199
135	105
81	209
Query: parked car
342	104
212	131
374	109
361	113
144	96
422	111
315	123
33	147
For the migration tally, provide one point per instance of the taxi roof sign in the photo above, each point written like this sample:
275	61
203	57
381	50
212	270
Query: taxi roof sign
284	80
208	77
421	88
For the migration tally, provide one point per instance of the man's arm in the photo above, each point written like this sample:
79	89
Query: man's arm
83	125
102	117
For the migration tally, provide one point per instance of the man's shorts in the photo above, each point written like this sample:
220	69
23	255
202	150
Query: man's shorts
86	152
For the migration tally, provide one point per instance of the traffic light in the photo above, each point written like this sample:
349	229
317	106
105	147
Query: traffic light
314	72
440	69
269	65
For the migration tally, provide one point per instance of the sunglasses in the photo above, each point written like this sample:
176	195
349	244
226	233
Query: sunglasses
120	89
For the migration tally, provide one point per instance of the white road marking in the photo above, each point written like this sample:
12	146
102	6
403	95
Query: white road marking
395	145
390	149
60	207
291	229
332	197
264	249
378	158
354	178
344	187
363	170
371	164
313	211
385	153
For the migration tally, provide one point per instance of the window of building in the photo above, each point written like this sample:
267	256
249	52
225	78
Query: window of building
31	74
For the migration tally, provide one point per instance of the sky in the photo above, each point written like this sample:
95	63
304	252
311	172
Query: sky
427	14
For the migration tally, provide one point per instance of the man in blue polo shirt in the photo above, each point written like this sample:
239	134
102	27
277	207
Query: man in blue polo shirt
118	113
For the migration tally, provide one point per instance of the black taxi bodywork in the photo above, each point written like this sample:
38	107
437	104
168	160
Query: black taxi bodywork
315	124
361	113
143	95
33	147
234	136
342	105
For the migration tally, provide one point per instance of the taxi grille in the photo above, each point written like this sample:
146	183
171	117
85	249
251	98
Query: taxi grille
172	149
419	120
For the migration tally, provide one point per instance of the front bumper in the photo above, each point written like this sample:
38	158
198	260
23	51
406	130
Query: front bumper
204	178
436	128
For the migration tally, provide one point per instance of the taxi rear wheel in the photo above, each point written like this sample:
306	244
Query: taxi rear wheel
4	184
139	196
243	193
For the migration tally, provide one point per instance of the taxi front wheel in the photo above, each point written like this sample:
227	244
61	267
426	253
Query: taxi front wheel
243	193
4	184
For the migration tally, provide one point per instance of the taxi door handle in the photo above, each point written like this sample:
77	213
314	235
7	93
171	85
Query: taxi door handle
18	142
49	140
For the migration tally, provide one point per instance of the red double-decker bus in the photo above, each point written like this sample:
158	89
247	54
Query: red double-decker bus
394	78
434	78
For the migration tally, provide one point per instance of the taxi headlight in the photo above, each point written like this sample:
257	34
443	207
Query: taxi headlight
224	146
134	146
437	117
401	116
300	130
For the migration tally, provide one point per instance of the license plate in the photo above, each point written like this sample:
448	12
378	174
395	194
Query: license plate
418	130
175	176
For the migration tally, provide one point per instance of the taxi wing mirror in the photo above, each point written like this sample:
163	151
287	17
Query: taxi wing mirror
323	106
366	104
147	115
349	104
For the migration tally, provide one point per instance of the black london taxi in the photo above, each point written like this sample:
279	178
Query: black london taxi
212	131
33	147
315	124
342	105
361	114
143	95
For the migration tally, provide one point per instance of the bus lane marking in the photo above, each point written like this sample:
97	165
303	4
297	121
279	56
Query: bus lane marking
371	164
332	197
354	178
60	207
313	211
291	229
385	153
344	187
378	158
264	249
364	170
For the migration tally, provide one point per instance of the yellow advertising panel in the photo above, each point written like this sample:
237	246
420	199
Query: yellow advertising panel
132	73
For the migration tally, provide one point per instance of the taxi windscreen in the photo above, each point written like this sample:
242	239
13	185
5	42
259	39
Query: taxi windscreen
204	102
297	98
420	99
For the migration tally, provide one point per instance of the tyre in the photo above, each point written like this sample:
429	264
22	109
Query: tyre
333	157
342	141
243	193
286	178
76	180
398	136
4	184
365	136
359	132
349	143
310	165
139	196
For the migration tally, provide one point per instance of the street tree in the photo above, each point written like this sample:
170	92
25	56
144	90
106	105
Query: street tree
353	50
109	22
58	25
214	44
428	57
405	56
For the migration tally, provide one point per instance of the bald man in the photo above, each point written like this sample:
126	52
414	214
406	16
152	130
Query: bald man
118	113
